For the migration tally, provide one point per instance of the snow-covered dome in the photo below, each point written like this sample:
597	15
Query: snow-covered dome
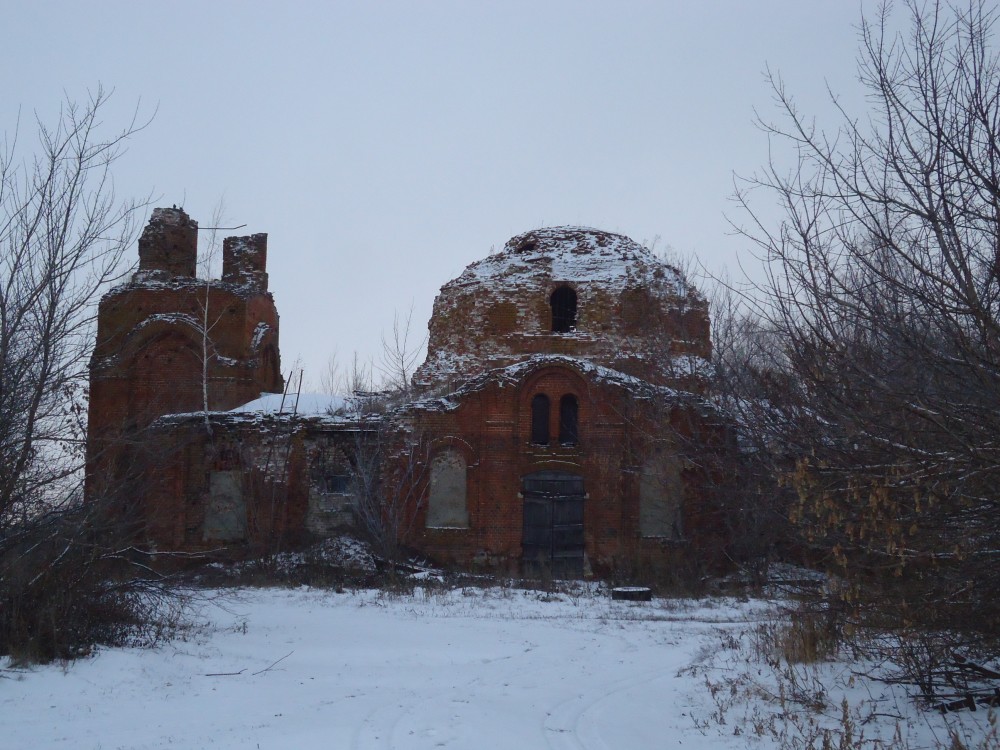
576	255
567	290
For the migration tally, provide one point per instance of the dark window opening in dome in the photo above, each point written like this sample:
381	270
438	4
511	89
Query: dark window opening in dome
563	303
569	428
540	419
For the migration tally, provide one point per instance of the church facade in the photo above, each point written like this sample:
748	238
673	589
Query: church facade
560	423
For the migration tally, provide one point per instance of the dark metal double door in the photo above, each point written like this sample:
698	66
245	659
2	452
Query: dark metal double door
552	540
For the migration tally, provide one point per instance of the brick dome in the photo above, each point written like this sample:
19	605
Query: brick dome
572	291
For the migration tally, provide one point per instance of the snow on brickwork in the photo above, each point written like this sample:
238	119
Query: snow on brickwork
244	260
146	280
259	332
168	246
633	312
577	254
513	375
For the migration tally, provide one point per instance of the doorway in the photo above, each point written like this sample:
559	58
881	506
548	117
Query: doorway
552	541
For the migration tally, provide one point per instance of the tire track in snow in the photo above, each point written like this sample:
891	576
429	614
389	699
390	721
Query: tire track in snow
561	728
442	715
380	726
371	734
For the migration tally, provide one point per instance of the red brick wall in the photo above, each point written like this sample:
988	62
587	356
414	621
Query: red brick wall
273	460
150	348
492	427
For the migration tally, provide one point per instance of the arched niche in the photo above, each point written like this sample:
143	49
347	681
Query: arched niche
447	506
164	376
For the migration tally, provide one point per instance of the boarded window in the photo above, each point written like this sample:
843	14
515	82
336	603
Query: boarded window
446	501
338	484
660	493
331	491
226	512
330	472
563	302
569	411
540	419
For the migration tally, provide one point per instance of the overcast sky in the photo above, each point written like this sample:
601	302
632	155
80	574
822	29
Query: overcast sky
383	146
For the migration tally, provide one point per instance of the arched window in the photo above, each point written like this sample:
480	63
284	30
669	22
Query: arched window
563	302
569	411
540	419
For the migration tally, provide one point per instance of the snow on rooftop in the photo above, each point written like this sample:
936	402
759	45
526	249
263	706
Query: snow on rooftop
305	404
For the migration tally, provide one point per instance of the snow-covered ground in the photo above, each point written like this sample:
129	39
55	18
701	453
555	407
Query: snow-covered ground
465	668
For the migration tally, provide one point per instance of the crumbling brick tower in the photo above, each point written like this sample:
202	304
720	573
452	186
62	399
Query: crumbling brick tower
168	341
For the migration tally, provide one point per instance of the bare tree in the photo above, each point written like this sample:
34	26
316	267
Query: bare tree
391	467
389	459
341	381
206	263
331	379
62	237
400	354
63	233
873	376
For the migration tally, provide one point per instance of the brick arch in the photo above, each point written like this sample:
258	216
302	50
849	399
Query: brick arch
566	371
164	371
148	332
454	442
438	509
557	381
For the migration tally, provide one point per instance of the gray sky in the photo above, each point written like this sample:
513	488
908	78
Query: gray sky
384	146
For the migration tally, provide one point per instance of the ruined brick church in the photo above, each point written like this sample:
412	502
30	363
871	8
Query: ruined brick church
559	422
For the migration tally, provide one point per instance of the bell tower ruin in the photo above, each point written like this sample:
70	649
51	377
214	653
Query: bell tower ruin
169	342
